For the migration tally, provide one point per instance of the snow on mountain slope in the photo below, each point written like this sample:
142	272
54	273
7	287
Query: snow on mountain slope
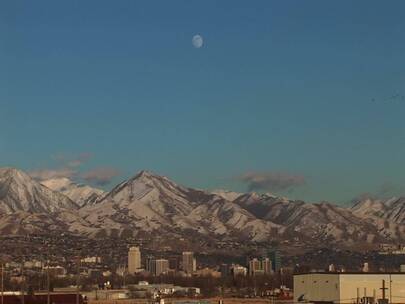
151	196
321	221
148	202
80	194
223	217
19	192
145	202
392	209
387	215
23	223
228	195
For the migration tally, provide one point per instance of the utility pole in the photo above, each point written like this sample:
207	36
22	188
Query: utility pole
358	296
2	283
48	286
46	263
77	281
22	283
383	289
390	289
124	276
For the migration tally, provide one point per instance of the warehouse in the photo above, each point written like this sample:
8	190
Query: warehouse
345	287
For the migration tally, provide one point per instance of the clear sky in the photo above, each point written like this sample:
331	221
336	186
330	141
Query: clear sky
300	98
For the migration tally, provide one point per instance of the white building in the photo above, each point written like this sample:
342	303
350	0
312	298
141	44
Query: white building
143	288
91	260
346	287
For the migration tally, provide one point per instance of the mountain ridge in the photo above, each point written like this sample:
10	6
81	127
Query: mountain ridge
81	194
150	203
20	192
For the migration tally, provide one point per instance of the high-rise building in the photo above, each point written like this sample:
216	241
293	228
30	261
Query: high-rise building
174	262
267	266
157	266
189	262
254	266
262	266
275	258
134	260
161	266
148	263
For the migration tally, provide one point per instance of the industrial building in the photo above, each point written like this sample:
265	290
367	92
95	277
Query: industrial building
347	287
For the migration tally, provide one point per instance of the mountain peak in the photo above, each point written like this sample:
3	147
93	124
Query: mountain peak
149	177
12	178
20	192
15	174
145	174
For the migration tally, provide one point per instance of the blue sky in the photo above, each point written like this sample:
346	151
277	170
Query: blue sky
300	98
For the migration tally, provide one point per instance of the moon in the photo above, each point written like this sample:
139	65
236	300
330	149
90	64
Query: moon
197	41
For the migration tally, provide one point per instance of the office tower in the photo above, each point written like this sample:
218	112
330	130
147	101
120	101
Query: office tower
189	262
174	263
254	266
275	258
148	263
161	266
134	260
262	266
266	266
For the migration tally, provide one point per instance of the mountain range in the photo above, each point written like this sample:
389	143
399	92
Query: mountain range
151	204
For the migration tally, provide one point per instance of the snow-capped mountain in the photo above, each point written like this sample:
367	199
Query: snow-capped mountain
392	209
149	203
81	194
319	221
387	215
19	192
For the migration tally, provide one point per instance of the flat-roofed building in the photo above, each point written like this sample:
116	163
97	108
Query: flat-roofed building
161	266
189	262
134	260
238	270
260	267
349	287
